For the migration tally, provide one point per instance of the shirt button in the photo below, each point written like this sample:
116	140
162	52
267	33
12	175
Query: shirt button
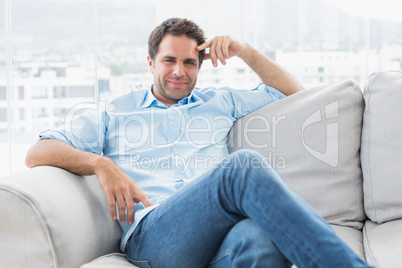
179	183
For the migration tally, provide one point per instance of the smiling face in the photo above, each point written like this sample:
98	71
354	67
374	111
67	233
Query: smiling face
175	68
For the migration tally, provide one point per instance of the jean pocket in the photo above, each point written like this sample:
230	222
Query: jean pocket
139	264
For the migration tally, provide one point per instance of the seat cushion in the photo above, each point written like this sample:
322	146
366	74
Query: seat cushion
114	260
381	152
313	139
352	237
383	243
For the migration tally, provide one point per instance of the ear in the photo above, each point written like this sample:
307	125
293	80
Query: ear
151	69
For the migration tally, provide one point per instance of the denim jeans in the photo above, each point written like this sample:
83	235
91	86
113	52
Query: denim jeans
239	214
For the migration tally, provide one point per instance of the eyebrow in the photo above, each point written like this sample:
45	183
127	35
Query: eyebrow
169	58
174	58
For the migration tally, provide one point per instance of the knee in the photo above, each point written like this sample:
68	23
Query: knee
247	153
249	159
247	168
247	234
247	244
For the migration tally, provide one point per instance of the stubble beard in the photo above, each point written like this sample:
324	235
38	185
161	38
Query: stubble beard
168	91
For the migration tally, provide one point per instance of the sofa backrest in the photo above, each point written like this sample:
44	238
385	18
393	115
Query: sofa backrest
381	152
313	139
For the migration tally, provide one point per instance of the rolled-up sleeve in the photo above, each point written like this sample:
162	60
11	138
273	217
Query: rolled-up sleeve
248	101
84	127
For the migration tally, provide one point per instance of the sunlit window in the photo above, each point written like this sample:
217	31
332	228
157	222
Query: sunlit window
55	54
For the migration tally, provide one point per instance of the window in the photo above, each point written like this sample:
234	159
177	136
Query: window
59	92
39	92
81	91
55	54
21	93
3	93
5	164
3	117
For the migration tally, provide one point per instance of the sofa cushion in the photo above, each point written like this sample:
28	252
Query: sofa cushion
313	139
383	243
53	218
381	152
114	260
352	237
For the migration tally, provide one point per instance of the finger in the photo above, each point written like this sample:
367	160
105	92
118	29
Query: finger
219	51
212	53
128	204
112	206
225	48
146	201
142	197
121	205
204	45
130	211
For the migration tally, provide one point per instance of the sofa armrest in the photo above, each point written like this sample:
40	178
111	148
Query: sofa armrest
53	218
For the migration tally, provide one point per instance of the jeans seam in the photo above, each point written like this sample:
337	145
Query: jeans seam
302	249
137	262
227	253
305	249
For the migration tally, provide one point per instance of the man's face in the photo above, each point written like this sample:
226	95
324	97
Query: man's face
175	68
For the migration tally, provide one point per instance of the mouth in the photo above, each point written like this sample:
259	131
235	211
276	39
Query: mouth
177	83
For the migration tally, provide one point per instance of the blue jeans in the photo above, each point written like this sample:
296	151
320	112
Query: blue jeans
240	214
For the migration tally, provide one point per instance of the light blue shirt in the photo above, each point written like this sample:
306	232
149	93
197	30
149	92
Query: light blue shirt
161	148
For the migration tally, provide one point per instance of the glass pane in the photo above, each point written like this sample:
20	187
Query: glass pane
385	36
4	148
53	66
123	30
318	41
53	60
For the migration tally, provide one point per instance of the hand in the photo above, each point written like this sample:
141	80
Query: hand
222	48
118	186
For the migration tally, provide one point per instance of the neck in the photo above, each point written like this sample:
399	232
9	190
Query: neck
168	102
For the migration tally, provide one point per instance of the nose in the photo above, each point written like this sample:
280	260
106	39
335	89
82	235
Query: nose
178	69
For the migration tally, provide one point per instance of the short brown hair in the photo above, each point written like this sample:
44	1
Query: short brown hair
176	27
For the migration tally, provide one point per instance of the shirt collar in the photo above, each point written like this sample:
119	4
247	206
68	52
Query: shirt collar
192	98
150	99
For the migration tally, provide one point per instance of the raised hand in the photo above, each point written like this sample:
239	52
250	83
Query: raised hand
222	48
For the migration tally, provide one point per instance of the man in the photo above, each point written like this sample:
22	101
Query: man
157	148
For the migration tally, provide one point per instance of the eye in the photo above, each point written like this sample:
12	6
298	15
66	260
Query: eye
190	62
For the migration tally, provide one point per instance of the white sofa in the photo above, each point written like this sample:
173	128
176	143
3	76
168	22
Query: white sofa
338	150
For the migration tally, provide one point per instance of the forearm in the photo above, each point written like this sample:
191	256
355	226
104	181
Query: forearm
49	152
116	184
270	72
